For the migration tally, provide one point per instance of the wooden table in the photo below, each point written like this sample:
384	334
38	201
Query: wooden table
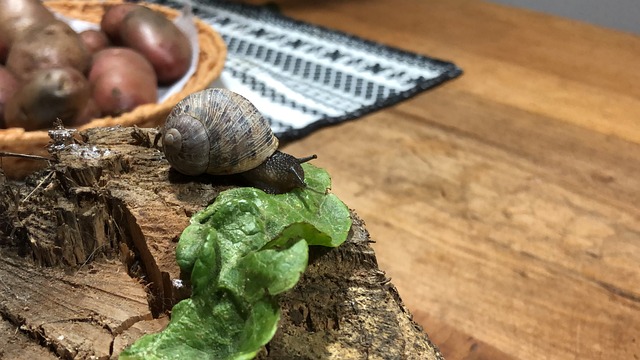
505	204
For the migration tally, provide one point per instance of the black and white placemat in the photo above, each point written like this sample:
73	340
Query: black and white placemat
302	77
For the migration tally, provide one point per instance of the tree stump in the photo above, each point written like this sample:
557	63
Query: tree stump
87	262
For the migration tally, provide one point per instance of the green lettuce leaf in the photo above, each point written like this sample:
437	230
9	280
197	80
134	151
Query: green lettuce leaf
242	251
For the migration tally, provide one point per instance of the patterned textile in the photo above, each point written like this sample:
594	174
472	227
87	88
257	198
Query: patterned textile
302	76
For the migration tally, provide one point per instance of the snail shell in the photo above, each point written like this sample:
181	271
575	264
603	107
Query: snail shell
218	132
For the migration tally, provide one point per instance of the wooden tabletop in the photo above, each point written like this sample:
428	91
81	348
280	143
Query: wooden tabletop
506	203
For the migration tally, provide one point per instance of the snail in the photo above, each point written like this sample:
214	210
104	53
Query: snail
218	132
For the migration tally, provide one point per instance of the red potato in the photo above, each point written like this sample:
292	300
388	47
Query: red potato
8	86
50	94
123	89
122	79
159	40
4	51
119	57
50	45
112	19
88	113
94	40
16	16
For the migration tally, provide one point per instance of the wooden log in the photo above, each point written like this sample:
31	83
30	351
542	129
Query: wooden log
74	313
18	346
88	253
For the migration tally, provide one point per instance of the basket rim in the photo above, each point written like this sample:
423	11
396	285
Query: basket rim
212	65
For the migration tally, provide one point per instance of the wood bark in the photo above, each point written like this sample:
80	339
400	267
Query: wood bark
87	262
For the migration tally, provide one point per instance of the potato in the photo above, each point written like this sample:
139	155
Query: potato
159	40
122	89
88	113
122	79
112	19
16	16
118	57
4	51
8	86
94	40
49	45
49	94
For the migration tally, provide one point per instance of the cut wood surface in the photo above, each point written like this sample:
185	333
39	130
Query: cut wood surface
87	262
505	205
76	315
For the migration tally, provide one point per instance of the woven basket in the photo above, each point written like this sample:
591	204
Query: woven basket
210	62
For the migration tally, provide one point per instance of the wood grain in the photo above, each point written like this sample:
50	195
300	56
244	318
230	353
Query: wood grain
505	204
75	315
18	346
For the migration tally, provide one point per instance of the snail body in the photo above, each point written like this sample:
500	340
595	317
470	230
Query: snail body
219	132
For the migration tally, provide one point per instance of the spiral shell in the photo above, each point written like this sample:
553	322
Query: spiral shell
218	132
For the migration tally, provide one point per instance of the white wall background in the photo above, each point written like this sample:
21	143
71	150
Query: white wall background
618	14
